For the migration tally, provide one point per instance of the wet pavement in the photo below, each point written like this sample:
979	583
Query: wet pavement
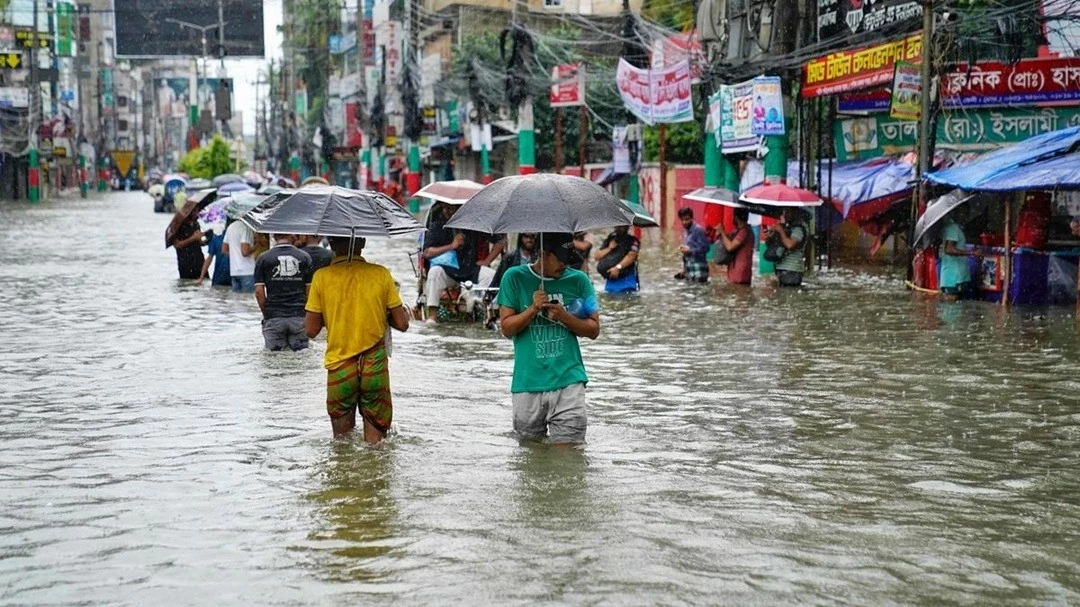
844	443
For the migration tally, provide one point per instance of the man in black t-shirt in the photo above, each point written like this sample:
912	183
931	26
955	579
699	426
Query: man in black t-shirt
320	255
617	257
282	277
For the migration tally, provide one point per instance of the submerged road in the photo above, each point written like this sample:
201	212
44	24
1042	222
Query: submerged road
846	443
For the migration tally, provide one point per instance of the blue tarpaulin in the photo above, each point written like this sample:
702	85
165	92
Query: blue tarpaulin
1004	169
1060	173
852	183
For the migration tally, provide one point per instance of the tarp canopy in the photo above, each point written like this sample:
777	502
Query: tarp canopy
1060	173
1011	163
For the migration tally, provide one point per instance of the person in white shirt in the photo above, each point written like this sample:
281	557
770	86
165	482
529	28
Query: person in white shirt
239	246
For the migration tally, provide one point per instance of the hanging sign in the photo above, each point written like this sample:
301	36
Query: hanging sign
736	118
716	115
657	96
1028	82
862	68
14	97
768	113
567	85
845	18
906	92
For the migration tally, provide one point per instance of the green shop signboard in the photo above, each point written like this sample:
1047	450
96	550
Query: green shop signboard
969	131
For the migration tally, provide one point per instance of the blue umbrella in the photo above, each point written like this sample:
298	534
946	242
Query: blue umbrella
234	187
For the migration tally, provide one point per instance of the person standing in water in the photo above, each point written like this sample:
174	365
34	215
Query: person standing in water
544	308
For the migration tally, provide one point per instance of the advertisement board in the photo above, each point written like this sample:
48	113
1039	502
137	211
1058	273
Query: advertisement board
148	28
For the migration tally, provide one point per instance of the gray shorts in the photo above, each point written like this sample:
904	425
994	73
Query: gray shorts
558	415
282	333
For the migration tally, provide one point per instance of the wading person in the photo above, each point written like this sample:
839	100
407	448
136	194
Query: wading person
239	246
616	260
523	254
955	269
740	249
545	318
792	235
355	300
312	245
214	252
282	277
695	249
188	245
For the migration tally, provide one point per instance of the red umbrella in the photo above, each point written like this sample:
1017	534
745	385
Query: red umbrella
781	195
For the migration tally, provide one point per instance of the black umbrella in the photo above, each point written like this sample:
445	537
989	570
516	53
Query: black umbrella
331	211
221	180
938	209
541	203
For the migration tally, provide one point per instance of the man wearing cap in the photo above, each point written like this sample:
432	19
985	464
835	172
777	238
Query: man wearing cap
544	308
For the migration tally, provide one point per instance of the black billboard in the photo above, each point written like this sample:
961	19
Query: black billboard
149	28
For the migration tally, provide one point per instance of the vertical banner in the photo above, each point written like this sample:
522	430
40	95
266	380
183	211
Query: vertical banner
906	92
567	85
670	94
736	133
633	84
768	114
716	115
656	96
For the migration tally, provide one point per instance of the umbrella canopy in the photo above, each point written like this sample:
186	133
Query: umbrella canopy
198	201
721	196
1009	160
780	195
939	209
541	203
331	211
451	192
156	190
221	180
174	177
642	219
241	204
286	182
270	190
198	184
214	213
253	178
235	187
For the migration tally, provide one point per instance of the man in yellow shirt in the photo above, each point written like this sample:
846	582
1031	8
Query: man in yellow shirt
355	300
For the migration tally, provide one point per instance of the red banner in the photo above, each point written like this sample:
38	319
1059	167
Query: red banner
1029	82
862	68
567	85
354	138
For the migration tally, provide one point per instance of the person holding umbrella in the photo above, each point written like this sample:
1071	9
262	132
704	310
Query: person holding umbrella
544	308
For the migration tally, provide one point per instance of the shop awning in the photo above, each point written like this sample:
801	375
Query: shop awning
1004	169
1060	173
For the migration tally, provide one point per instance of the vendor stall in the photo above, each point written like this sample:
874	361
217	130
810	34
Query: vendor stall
1025	219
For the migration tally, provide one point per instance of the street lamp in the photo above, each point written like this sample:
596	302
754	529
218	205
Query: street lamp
202	29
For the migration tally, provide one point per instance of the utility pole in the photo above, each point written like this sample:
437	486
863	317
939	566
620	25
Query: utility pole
924	113
583	137
526	134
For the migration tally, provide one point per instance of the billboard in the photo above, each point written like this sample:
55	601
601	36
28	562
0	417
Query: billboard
148	28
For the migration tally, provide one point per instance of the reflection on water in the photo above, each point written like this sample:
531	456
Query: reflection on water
843	442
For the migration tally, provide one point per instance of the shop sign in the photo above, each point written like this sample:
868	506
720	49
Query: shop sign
430	116
14	97
842	18
956	130
1028	82
567	85
656	96
866	67
906	92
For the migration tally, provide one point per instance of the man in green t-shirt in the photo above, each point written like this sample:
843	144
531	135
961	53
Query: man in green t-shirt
545	307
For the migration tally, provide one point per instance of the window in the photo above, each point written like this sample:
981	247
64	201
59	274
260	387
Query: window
552	3
122	125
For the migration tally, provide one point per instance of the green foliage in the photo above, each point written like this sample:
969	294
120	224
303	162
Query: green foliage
313	22
209	162
684	143
478	56
672	14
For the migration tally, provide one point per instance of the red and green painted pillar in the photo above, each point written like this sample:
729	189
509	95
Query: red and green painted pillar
485	161
294	168
33	179
103	175
412	178
776	160
365	169
526	139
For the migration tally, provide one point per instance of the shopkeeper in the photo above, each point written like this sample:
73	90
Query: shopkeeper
955	269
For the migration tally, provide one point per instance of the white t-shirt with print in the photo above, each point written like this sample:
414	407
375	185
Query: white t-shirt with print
237	235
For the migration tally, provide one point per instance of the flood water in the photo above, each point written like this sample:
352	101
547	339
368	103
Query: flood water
845	443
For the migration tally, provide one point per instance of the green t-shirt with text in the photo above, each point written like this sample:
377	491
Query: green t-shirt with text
546	354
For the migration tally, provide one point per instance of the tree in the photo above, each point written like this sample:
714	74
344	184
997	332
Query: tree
209	162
